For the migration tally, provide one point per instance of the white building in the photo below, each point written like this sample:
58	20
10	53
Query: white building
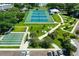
5	6
52	11
42	4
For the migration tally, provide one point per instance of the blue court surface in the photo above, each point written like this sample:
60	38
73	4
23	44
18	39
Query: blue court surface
12	39
38	16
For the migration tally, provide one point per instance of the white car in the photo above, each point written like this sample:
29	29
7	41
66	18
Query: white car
23	53
28	53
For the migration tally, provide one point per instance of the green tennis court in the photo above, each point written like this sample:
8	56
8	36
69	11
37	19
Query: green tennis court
0	36
12	39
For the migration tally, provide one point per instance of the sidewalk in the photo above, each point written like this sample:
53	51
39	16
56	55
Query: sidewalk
52	30
62	21
22	43
75	27
56	47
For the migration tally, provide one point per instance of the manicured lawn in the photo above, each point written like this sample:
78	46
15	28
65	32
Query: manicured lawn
19	29
56	18
20	23
9	47
69	22
40	29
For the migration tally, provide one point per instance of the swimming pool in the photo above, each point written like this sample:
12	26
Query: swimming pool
38	16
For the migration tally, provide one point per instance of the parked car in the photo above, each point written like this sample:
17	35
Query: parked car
54	53
28	53
60	53
49	53
23	53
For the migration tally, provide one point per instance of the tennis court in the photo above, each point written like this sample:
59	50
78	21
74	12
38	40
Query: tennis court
38	16
0	36
12	39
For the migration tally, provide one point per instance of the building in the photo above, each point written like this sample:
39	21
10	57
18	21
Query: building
5	6
52	11
42	4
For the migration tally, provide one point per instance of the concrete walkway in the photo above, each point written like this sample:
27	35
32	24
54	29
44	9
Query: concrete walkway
52	30
56	47
22	43
25	46
29	35
62	21
73	42
75	27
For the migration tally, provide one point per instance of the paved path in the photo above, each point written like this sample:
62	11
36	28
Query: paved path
73	42
56	47
22	43
62	21
75	27
29	35
52	30
25	46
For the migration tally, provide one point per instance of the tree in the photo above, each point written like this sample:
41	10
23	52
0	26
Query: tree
77	32
34	43
46	43
69	47
7	19
69	7
18	5
55	5
20	16
72	36
53	35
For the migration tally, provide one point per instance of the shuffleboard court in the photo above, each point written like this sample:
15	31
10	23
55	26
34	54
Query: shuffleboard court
12	39
38	16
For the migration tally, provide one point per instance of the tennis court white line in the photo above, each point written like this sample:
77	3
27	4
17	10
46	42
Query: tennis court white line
17	32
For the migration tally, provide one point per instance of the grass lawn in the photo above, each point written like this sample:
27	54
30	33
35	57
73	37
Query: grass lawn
19	29
9	47
40	29
20	23
56	18
69	22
